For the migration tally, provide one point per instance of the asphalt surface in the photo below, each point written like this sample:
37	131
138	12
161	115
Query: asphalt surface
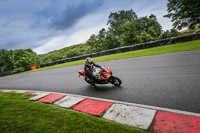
167	80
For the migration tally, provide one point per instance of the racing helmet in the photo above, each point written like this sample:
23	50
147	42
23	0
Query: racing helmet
88	61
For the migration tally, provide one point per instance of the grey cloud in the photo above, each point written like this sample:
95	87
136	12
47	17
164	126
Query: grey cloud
73	13
36	25
23	39
10	44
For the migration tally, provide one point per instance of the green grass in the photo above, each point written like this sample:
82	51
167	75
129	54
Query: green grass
18	115
186	46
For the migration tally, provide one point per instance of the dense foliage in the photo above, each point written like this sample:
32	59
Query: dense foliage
125	28
6	63
184	13
18	59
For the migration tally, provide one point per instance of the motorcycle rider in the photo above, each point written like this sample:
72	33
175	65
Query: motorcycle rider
89	65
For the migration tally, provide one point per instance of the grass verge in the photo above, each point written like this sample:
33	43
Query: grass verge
186	46
18	115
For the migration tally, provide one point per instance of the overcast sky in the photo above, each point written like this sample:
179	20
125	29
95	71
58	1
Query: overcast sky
47	25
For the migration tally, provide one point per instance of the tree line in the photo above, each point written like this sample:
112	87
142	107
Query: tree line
124	28
17	59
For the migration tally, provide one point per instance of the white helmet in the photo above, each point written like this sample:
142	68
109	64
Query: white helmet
88	61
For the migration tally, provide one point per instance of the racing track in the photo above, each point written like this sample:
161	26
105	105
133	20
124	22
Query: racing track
168	80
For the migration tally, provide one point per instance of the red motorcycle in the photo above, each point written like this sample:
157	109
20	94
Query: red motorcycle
103	76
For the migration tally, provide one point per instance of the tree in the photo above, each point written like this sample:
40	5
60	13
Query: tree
168	34
152	16
184	13
130	35
72	53
18	59
6	60
24	58
174	33
101	38
121	17
165	34
92	44
150	25
145	37
111	41
115	21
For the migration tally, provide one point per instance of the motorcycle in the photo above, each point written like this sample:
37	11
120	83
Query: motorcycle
103	76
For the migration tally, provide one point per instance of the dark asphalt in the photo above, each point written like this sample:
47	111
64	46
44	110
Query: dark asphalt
168	80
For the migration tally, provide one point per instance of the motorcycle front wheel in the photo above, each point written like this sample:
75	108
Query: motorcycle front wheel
115	81
89	81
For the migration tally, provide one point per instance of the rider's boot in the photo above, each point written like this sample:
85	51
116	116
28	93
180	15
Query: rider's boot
92	82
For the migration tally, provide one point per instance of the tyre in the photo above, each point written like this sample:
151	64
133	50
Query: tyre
116	81
89	81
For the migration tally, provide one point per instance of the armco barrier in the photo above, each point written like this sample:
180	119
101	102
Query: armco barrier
27	69
162	42
95	55
60	61
5	73
85	56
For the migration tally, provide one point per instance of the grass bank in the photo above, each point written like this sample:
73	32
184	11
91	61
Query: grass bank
18	115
